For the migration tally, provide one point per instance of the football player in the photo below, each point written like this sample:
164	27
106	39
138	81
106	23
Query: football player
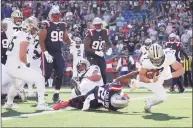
14	24
144	48
89	76
52	35
108	96
34	58
19	68
96	41
176	48
77	51
161	61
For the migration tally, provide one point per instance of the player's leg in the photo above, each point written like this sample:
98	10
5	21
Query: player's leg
159	95
58	67
28	74
92	60
6	79
179	83
102	66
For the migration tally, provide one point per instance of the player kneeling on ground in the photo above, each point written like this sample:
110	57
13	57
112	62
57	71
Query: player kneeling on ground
18	67
88	78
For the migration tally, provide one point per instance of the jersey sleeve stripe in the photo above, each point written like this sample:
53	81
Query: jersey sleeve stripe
108	32
46	22
90	32
116	88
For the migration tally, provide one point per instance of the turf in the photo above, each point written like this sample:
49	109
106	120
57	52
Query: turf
175	112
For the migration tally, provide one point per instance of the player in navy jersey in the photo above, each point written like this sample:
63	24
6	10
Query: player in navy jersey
96	41
109	96
176	48
52	36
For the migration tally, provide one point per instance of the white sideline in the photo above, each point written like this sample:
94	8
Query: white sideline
48	112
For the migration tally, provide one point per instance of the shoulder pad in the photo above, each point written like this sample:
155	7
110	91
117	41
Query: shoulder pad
45	24
6	20
178	43
65	24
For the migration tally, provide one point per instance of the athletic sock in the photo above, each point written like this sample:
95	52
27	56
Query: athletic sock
11	94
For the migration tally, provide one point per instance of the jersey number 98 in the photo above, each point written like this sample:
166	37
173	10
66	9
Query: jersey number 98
57	36
98	45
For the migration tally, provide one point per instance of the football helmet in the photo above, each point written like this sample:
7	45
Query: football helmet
77	40
148	43
119	100
82	66
54	15
17	17
30	24
97	23
156	54
172	37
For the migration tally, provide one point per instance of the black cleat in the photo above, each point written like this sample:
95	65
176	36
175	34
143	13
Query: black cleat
55	97
172	89
76	87
181	90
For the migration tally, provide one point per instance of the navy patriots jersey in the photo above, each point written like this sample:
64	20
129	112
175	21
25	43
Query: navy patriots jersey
103	94
98	40
175	48
54	38
4	46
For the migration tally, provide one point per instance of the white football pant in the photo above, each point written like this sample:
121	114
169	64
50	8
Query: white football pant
20	73
6	80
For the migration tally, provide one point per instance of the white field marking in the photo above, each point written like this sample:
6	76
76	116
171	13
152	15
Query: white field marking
186	97
48	112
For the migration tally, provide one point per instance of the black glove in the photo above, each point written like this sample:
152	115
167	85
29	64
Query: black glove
28	65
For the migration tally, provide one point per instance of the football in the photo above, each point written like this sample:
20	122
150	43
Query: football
151	73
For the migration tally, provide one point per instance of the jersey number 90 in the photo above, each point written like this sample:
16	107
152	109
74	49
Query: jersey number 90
98	45
57	36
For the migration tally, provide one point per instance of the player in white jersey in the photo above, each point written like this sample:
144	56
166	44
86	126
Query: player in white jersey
14	24
77	51
144	48
89	77
34	58
159	60
19	68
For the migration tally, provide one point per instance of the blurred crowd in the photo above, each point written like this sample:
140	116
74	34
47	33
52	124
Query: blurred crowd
130	22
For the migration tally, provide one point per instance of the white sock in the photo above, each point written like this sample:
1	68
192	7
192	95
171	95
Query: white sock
13	91
57	91
40	90
50	81
30	88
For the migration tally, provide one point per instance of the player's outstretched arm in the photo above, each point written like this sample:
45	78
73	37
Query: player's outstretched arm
179	70
87	44
143	77
66	38
126	78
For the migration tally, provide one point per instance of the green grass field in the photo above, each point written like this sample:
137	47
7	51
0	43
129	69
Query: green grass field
175	112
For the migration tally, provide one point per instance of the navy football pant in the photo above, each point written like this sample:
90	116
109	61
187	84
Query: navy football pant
101	62
57	65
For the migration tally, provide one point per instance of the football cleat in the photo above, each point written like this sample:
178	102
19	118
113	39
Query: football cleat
147	108
172	89
60	104
55	97
43	107
10	106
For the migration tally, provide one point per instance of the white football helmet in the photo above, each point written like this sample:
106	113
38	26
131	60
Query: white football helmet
77	40
97	23
17	17
119	100
54	15
156	54
30	24
148	43
172	37
80	64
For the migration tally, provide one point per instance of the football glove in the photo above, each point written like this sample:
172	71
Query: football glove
99	53
49	58
109	52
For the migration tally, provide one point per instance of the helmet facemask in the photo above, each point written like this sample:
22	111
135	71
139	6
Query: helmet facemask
81	68
56	17
18	20
157	62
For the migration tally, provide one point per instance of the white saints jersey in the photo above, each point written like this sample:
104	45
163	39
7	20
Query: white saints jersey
164	69
11	28
86	84
143	49
14	46
34	52
77	50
